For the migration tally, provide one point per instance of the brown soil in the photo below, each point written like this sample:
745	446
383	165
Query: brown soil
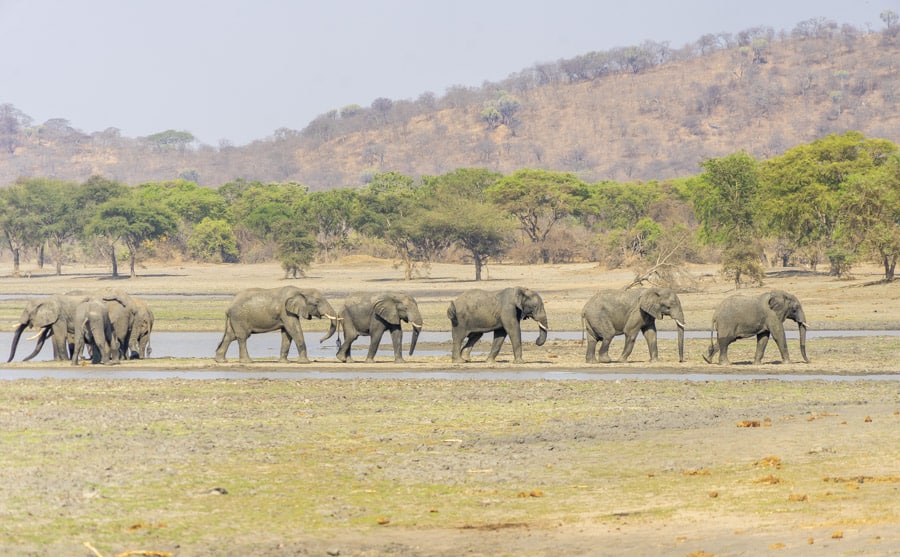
464	466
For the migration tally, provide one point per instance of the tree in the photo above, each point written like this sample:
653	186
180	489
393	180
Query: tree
538	199
135	221
331	212
58	220
171	139
214	240
19	221
12	120
801	190
726	198
296	246
460	214
94	192
870	215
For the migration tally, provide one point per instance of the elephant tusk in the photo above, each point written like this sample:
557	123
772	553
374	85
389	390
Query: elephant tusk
418	325
35	336
679	323
803	324
333	318
542	326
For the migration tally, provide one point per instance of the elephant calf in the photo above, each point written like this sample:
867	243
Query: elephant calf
761	316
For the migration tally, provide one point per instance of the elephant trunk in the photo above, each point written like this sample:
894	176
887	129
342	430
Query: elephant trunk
416	329
542	323
331	328
803	327
41	337
15	341
678	316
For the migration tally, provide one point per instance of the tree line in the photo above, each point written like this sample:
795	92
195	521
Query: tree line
836	200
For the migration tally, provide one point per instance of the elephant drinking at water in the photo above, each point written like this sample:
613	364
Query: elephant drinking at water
761	316
262	310
94	329
476	312
616	312
373	314
54	316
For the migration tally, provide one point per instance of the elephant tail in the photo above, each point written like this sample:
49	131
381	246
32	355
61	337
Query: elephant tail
451	314
229	332
712	345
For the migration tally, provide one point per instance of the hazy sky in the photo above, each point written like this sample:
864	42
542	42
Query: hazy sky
240	69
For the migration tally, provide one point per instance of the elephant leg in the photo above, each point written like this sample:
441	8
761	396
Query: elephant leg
630	339
79	348
723	350
499	337
652	346
285	346
781	342
457	337
762	339
343	353
466	351
606	340
515	338
397	341
590	355
375	342
227	338
243	355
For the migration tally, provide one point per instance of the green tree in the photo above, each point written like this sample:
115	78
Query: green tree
801	190
94	192
332	212
134	221
19	220
58	216
214	240
870	215
538	199
296	246
726	199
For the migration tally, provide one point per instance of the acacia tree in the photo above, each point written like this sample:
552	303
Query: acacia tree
134	221
19	221
726	197
539	199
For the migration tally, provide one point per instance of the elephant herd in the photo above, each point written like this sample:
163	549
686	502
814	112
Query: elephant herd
114	325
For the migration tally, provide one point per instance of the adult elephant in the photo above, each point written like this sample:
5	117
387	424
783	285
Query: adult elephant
262	310
762	316
372	315
94	329
54	316
626	312
132	321
476	312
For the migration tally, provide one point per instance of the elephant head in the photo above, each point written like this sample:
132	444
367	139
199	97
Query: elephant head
394	308
530	305
787	306
664	301
40	314
310	303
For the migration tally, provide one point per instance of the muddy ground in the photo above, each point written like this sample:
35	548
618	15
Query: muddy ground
804	461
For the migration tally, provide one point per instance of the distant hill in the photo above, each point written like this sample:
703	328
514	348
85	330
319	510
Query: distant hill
637	113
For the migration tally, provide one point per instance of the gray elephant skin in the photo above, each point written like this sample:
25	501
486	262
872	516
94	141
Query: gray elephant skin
372	315
476	312
627	312
54	316
762	316
94	329
263	310
132	320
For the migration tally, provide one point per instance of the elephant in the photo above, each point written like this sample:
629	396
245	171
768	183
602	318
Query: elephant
476	312
55	317
615	312
94	329
373	314
262	310
742	316
132	321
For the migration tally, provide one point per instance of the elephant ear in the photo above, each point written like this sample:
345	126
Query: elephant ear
522	295
650	303
777	302
46	313
386	308
296	305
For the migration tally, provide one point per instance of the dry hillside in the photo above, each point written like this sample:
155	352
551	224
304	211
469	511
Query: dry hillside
652	122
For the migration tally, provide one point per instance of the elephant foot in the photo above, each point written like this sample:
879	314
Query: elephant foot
303	360
519	361
220	359
605	360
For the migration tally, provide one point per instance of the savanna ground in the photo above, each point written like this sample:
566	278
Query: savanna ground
791	464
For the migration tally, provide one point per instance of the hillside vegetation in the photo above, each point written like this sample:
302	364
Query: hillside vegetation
638	113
